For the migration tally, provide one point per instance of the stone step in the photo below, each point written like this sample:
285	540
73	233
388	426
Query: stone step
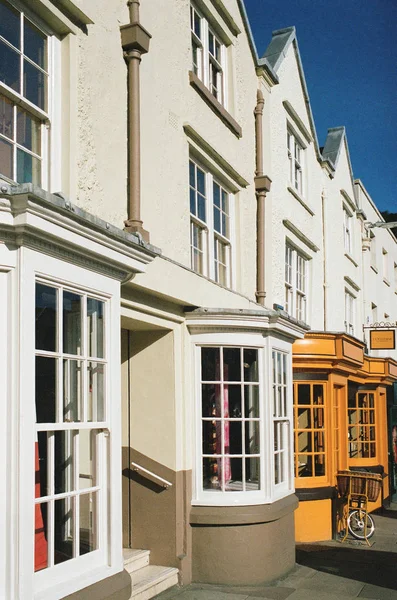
135	559
152	580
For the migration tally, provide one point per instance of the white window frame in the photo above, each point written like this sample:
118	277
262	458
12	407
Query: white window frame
347	230
385	265
208	237
350	312
207	62
296	161
296	295
269	491
282	420
72	575
50	118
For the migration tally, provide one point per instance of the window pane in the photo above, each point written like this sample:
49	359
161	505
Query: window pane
28	131
40	536
252	473
6	159
201	207
63	529
96	392
235	483
303	394
71	323
252	445
210	362
28	168
251	393
6	117
88	522
211	480
64	461
95	312
46	390
87	443
197	25
210	397
72	391
210	437
304	418
35	44
10	24
41	475
305	441
193	209
232	364
233	437
35	85
232	399
217	195
305	466
46	317
201	181
251	364
217	220
9	67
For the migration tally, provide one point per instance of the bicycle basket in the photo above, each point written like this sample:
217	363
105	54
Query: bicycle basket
359	483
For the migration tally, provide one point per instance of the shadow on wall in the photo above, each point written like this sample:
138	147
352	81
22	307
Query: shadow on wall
369	566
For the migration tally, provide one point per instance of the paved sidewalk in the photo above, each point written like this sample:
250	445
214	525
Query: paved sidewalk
324	571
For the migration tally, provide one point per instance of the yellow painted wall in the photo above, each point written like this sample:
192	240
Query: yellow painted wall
313	522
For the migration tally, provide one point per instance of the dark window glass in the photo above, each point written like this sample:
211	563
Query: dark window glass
6	159
10	24
9	67
46	317
210	364
6	118
71	323
35	44
28	168
46	388
232	364
35	83
28	131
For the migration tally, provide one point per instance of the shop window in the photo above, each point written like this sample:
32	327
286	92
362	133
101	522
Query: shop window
210	225
281	420
309	430
361	424
230	420
71	420
24	95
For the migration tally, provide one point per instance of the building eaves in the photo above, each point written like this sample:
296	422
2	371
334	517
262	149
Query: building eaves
61	205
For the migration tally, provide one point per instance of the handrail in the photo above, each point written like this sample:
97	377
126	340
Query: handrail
166	484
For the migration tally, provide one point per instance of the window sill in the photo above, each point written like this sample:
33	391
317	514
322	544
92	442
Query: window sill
216	106
349	256
243	515
298	197
374	269
386	281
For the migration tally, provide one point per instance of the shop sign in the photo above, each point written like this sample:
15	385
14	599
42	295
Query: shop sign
382	339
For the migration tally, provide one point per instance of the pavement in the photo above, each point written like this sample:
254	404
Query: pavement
324	571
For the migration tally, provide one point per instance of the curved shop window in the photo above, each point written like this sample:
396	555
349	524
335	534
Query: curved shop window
244	424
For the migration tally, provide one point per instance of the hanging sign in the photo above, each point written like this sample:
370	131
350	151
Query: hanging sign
382	339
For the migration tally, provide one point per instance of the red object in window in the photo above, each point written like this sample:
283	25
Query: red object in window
40	542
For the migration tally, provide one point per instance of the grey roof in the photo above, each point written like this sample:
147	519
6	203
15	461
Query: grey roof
333	144
277	49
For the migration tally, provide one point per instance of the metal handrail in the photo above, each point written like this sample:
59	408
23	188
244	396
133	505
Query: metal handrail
166	484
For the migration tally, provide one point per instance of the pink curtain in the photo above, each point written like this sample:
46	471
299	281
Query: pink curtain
40	542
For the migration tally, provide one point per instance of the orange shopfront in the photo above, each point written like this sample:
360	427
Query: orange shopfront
340	422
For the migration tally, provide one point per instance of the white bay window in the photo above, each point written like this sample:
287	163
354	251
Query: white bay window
243	417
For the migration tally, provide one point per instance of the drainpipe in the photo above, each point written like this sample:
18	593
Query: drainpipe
262	186
135	42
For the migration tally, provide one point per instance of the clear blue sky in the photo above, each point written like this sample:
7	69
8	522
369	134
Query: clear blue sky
349	56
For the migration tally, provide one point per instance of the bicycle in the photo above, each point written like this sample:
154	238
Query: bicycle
360	523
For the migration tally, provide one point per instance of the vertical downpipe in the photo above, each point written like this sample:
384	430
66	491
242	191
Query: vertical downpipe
325	283
262	185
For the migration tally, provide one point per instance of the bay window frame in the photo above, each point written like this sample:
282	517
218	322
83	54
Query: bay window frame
268	491
67	577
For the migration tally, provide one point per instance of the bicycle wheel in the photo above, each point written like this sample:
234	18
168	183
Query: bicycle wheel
356	524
